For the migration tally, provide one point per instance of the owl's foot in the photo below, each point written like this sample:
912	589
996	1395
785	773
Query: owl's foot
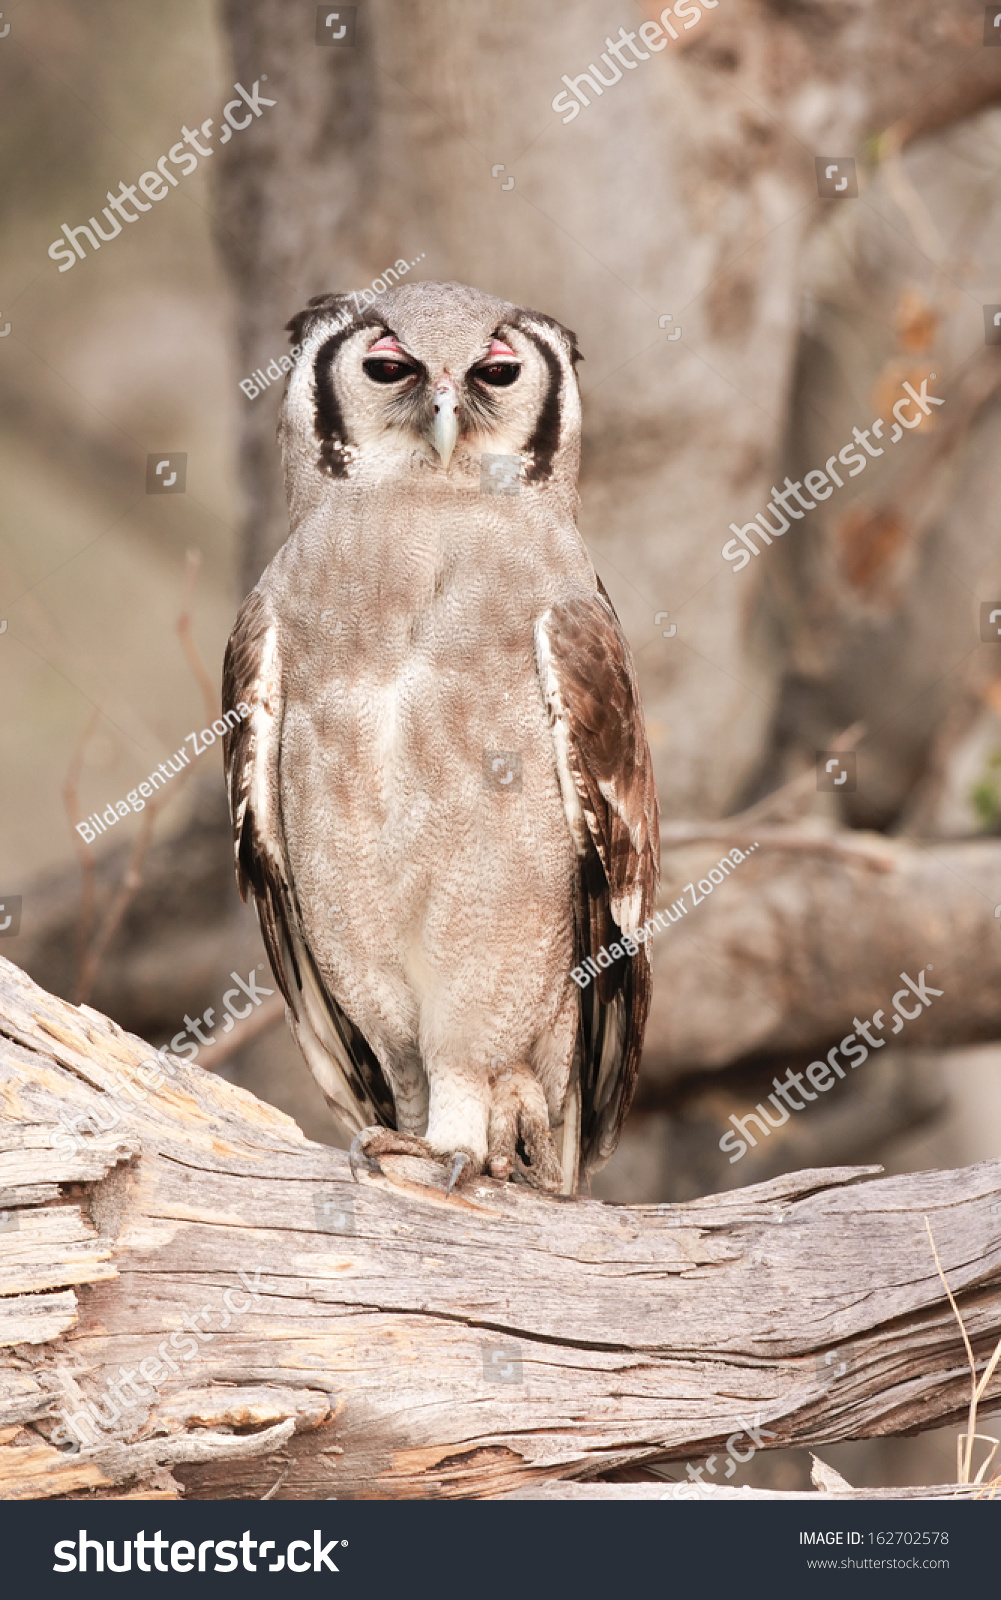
519	1128
371	1143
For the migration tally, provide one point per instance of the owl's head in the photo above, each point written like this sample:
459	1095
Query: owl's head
428	377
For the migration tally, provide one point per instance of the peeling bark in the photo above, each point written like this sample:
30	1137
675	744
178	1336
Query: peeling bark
380	1339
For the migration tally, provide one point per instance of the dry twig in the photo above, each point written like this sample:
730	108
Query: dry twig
91	948
193	655
71	801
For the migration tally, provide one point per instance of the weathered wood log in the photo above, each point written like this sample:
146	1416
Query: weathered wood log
194	1299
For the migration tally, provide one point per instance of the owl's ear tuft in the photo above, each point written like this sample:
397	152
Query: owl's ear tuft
319	306
571	339
566	333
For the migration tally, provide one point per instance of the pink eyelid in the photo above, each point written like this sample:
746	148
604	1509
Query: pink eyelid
387	345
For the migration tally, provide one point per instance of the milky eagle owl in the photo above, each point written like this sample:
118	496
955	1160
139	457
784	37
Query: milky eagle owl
443	801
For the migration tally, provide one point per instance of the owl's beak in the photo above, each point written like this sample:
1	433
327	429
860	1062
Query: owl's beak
445	426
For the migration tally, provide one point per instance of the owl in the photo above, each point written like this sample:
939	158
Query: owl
442	799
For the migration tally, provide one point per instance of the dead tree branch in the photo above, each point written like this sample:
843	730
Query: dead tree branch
812	931
279	1320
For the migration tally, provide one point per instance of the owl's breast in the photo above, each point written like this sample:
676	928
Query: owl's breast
412	700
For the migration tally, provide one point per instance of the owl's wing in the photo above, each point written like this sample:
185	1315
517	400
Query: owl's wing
606	777
338	1055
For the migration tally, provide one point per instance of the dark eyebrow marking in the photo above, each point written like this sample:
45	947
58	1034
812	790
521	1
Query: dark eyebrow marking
328	422
545	439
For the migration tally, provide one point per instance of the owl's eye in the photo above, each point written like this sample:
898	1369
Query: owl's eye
499	374
381	371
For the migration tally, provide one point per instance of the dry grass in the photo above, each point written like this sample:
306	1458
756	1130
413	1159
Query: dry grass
966	1442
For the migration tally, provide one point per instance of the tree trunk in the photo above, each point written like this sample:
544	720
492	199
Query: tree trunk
687	190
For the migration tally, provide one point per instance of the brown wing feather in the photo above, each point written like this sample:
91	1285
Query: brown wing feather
607	775
338	1054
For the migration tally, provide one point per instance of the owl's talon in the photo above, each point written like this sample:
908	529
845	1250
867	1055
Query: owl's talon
358	1149
519	1140
460	1161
